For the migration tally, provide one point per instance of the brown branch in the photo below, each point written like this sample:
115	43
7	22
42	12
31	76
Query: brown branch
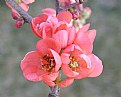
27	18
57	5
54	91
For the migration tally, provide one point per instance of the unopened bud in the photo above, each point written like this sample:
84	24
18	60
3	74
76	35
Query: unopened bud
15	15
18	24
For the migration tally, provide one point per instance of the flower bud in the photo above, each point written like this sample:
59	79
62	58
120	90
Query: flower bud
18	24
15	15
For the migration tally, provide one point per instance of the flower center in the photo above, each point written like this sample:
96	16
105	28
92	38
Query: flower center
73	64
48	63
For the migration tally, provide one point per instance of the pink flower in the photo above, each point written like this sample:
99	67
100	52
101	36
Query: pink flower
44	62
43	24
77	64
55	27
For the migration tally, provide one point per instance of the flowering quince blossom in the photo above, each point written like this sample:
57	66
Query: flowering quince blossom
44	62
79	65
78	60
56	27
63	47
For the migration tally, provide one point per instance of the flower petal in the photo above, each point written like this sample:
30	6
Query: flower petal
71	35
49	83
67	82
68	71
49	11
57	60
84	28
98	66
62	37
30	66
28	1
91	35
65	58
84	42
50	77
32	73
64	16
36	21
48	43
31	59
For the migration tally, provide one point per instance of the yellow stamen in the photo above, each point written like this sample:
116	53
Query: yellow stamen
73	64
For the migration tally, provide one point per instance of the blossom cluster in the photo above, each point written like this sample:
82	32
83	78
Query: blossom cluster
62	50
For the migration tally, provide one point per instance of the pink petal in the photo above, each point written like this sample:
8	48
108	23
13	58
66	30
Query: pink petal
49	11
73	50
28	1
50	77
46	30
62	37
87	60
32	73
60	26
67	82
49	83
30	66
53	20
68	71
64	16
84	28
91	35
84	42
48	43
65	58
98	66
57	60
71	35
84	72
38	20
31	59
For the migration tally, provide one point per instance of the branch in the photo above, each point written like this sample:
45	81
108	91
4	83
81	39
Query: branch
57	5
54	91
72	5
27	18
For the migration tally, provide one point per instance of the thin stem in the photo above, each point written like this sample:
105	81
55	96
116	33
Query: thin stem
54	91
57	5
27	18
71	5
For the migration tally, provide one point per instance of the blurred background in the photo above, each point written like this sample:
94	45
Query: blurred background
15	43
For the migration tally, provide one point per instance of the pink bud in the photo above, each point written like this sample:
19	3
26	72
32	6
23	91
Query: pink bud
18	24
15	15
